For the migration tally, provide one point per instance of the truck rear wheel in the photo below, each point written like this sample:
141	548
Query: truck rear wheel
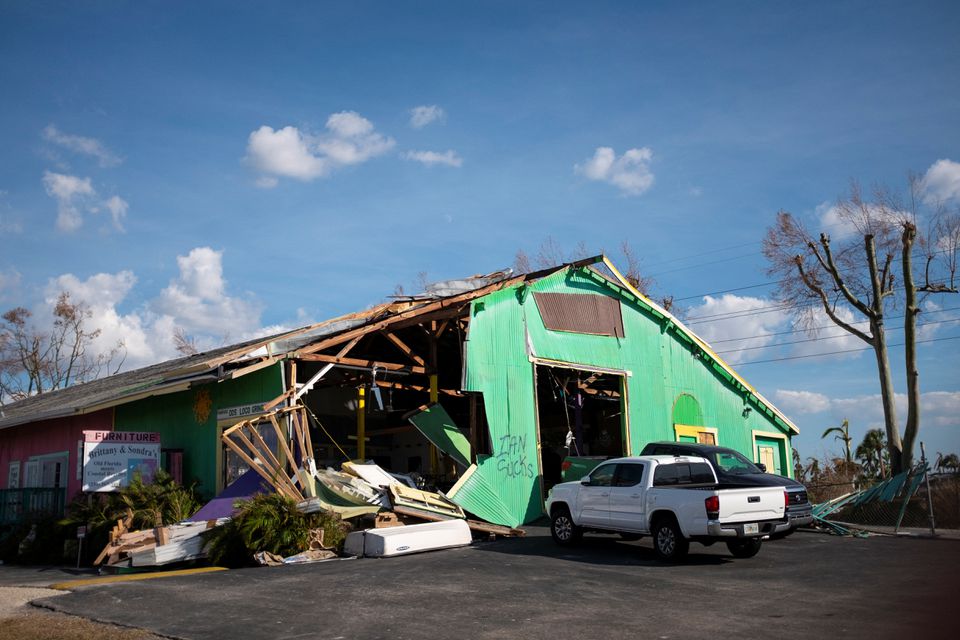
744	547
668	542
562	527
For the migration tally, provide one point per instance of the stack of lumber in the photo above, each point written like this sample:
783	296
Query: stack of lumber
154	547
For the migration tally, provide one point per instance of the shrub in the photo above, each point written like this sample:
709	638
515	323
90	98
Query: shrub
270	522
158	503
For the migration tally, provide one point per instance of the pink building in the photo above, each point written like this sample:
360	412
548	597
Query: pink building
48	453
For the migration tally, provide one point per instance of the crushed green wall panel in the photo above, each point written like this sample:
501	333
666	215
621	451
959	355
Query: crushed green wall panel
438	427
660	363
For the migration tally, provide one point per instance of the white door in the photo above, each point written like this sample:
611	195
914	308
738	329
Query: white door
595	496
627	509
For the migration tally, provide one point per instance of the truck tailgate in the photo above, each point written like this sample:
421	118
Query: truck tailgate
751	505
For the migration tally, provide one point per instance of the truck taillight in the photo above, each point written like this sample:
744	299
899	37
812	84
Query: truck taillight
712	505
786	500
566	465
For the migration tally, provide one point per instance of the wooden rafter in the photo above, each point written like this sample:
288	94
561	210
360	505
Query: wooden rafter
407	351
416	387
357	362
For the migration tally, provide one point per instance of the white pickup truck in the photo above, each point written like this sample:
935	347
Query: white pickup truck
672	498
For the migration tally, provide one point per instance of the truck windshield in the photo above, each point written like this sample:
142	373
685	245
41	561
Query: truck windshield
731	462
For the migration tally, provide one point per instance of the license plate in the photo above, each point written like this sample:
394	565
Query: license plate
749	529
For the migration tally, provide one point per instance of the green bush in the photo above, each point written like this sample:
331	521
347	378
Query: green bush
270	522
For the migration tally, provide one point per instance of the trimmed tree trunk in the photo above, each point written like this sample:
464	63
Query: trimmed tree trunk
910	348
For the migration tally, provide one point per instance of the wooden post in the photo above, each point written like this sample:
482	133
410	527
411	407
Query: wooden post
361	422
434	392
473	425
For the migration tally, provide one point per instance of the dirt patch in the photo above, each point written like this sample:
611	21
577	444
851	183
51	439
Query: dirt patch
21	621
40	625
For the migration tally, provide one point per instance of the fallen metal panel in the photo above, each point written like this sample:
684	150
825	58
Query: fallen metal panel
480	494
580	313
438	427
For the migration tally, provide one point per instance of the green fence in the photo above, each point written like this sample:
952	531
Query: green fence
17	505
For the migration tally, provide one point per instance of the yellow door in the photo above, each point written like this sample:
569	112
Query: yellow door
768	458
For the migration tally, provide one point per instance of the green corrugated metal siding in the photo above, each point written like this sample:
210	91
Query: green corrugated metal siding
174	418
661	365
439	428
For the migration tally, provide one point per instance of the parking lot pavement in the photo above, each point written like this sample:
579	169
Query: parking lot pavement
808	585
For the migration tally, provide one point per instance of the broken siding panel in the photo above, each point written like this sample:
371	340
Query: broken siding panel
580	313
498	366
439	428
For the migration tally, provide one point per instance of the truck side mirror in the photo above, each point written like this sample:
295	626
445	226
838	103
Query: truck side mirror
585	481
762	467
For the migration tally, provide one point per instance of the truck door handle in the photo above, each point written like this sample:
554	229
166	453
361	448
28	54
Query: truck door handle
753	499
636	495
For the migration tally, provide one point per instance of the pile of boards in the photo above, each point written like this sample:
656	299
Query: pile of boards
365	488
153	547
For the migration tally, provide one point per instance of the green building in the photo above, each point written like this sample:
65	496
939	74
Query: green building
483	384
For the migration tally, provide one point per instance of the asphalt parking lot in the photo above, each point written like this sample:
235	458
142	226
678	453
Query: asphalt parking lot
809	585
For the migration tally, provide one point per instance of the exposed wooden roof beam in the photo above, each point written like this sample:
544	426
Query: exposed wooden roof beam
392	337
357	362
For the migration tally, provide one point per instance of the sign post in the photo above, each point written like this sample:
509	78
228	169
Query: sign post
81	534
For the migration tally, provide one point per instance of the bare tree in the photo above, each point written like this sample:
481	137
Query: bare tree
855	278
34	361
185	345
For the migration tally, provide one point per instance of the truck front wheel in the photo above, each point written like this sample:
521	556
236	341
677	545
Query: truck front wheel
744	547
668	542
563	529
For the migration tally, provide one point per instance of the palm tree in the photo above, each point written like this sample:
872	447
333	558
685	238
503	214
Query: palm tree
842	433
798	471
871	450
948	462
813	469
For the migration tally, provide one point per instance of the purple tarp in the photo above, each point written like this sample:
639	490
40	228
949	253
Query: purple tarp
246	486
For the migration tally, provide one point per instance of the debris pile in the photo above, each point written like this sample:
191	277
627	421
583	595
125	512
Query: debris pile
153	547
388	515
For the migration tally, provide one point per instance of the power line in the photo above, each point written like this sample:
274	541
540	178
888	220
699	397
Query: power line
826	326
839	335
832	353
713	293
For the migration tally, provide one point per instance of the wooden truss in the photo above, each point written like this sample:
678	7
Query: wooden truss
289	474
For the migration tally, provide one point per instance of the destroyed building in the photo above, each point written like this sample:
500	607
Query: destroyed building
481	386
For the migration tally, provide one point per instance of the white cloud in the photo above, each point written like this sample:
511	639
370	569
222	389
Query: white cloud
74	195
630	172
68	191
290	153
82	145
942	181
117	207
196	301
831	338
425	114
197	298
842	224
937	408
743	327
794	402
449	158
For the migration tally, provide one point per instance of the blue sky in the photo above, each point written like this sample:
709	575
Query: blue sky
228	167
